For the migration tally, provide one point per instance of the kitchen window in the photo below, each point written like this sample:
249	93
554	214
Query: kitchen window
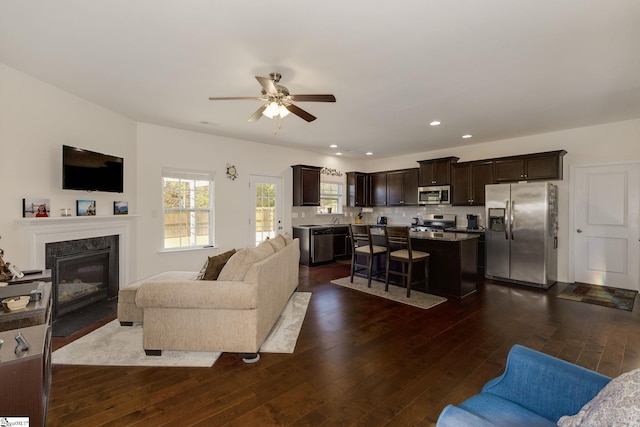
187	209
330	198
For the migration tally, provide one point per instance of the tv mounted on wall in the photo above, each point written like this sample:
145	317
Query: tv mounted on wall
91	171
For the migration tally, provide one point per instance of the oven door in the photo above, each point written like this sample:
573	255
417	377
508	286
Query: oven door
438	195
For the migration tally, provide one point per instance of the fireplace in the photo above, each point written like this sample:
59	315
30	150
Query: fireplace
84	272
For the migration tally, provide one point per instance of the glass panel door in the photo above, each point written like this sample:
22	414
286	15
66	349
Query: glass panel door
265	194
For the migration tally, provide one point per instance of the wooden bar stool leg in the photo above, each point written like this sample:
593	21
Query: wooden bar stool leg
409	279
369	270
386	275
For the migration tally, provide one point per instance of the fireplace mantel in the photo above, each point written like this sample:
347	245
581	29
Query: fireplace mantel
40	231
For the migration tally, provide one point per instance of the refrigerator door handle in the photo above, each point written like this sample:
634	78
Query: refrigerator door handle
511	220
506	220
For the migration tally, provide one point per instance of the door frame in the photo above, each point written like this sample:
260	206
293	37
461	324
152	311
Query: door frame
572	203
279	182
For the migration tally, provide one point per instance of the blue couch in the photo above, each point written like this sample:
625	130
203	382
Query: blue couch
534	390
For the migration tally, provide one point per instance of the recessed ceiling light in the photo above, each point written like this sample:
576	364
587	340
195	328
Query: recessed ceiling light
434	123
338	154
369	153
333	146
467	135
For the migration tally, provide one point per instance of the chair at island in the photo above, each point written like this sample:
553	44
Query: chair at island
362	247
398	246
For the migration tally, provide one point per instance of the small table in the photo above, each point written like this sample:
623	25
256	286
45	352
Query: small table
35	313
44	276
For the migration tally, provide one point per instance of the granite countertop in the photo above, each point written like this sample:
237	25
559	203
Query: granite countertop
434	235
465	230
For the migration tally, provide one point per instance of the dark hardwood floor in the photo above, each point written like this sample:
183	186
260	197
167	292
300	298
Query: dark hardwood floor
360	360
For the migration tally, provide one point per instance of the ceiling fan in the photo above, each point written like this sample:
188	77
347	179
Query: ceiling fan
278	100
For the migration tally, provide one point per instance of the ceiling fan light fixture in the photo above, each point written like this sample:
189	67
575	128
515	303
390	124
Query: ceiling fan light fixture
283	110
272	110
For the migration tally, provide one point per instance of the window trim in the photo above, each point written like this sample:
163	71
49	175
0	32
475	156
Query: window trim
192	175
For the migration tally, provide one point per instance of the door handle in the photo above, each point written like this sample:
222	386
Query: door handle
506	220
579	230
513	204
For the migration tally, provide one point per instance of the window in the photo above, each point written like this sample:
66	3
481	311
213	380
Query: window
330	198
187	208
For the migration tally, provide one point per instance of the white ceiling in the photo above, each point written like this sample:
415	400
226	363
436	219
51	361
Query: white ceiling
494	68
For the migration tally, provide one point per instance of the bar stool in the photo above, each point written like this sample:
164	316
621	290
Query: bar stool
398	244
362	245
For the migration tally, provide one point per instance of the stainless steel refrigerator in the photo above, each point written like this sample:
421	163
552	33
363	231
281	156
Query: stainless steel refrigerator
521	233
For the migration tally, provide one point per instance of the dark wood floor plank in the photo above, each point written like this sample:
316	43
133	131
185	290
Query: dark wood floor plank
360	360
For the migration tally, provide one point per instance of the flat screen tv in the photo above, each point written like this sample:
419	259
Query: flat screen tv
91	171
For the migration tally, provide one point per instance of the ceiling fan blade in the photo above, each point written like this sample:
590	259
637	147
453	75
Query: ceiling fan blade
227	98
268	85
313	98
299	112
255	116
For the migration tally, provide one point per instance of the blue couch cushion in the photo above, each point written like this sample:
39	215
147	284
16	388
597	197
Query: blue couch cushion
502	412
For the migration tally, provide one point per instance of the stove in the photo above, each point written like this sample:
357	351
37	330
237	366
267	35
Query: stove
436	222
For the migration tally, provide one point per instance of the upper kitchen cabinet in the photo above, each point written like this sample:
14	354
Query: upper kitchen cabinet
378	186
402	187
436	171
529	167
468	180
306	185
357	189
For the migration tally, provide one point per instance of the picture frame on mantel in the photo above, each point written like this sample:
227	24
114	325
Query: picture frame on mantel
120	208
36	208
85	207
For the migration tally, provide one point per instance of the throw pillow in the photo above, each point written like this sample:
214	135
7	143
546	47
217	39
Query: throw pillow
617	404
215	264
240	263
287	238
277	242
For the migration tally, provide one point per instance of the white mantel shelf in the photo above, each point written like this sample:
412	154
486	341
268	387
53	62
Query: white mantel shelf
52	220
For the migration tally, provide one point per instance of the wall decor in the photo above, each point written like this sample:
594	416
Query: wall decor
329	171
35	208
120	208
232	172
85	207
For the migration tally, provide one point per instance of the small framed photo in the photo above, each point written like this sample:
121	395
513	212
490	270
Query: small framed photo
85	207
36	208
120	208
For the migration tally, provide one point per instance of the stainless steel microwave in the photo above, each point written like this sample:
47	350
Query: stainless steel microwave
436	195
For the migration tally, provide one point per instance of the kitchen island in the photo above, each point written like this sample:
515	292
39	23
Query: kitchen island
453	263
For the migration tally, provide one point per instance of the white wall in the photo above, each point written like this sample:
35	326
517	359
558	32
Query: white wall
36	119
160	147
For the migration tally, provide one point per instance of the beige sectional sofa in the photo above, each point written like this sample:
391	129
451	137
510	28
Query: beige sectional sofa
234	313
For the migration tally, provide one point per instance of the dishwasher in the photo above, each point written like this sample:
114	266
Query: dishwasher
321	245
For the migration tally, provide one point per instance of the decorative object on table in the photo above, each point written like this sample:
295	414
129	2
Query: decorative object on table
15	303
121	208
85	207
35	208
232	172
607	296
5	271
65	212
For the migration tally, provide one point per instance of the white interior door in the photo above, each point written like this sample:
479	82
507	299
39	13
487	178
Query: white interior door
606	225
265	194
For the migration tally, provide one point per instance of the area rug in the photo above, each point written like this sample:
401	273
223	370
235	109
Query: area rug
398	294
622	299
115	345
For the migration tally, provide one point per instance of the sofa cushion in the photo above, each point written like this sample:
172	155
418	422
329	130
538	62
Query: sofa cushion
617	404
239	264
277	242
287	238
215	265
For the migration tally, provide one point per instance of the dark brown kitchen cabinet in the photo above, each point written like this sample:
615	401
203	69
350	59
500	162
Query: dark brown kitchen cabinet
547	165
402	187
468	181
436	171
357	189
378	185
306	185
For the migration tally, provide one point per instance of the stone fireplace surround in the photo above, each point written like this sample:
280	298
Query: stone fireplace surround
40	231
